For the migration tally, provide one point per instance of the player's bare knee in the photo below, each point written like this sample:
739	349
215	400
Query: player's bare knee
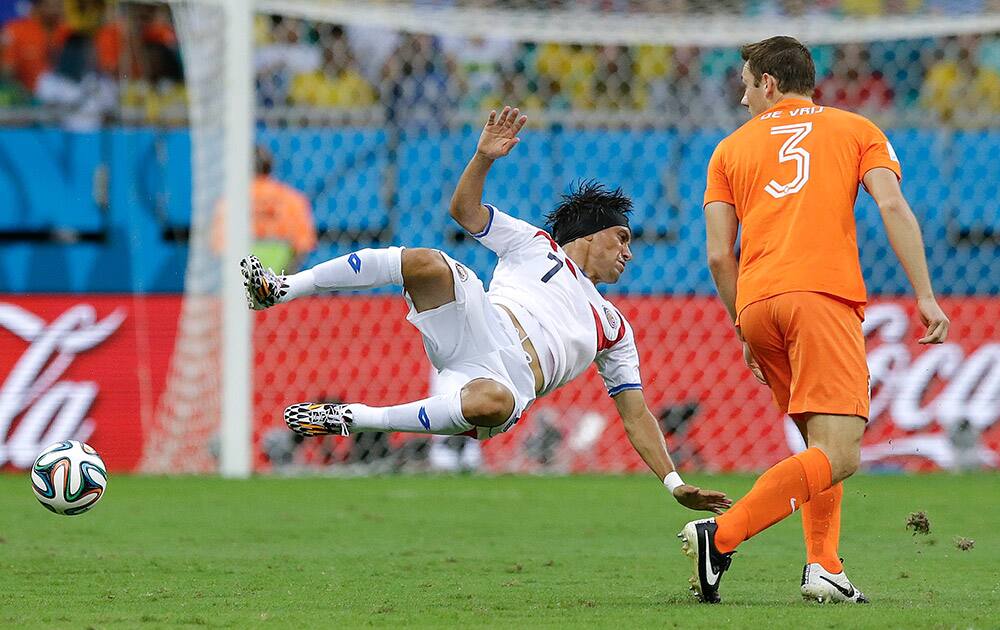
427	278
844	462
486	403
849	464
839	437
422	266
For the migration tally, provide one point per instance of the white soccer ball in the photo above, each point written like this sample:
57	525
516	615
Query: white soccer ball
69	477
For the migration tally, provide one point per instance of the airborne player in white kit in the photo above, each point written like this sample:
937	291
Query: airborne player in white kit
541	324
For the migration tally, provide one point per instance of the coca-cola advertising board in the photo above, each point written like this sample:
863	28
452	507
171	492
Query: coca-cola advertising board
95	368
82	367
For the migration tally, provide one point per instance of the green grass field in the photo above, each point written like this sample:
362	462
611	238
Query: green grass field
470	551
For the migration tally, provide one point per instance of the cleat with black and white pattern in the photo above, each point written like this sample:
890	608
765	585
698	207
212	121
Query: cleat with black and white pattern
698	544
264	288
819	585
311	419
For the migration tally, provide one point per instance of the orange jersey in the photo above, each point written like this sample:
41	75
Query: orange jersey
29	48
793	173
279	213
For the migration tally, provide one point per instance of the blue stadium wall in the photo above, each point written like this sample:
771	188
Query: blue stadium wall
107	211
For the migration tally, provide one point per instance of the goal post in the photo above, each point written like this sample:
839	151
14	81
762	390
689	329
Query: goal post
204	420
237	348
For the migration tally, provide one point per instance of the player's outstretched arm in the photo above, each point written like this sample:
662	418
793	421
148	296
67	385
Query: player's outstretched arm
647	439
498	138
906	241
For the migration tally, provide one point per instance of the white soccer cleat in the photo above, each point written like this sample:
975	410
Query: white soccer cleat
698	544
263	287
821	586
311	419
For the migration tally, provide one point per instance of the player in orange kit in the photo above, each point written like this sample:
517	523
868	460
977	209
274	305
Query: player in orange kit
789	177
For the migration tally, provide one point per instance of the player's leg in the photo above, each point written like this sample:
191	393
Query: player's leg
793	482
775	495
424	274
480	403
767	340
821	520
823	576
836	344
825	350
466	340
444	451
834	451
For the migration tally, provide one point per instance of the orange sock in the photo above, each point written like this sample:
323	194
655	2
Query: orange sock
821	526
782	489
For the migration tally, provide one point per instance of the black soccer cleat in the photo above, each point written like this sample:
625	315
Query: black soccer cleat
698	544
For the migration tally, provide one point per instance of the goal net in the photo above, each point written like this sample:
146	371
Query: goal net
369	111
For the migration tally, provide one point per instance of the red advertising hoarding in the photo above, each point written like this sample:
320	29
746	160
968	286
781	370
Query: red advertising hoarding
82	367
96	368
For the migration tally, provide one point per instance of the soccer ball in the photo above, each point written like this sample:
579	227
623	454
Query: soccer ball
69	477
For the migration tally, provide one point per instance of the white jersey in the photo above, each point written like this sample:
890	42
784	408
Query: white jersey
568	321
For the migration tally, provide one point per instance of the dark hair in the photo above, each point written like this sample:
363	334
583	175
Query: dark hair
262	161
589	203
785	59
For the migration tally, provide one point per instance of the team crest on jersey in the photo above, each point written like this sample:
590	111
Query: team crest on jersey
612	317
463	275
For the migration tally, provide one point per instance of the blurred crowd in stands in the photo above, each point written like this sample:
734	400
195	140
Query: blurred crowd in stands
94	61
90	61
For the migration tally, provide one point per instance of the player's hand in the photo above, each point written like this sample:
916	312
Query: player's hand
500	133
752	364
695	498
934	318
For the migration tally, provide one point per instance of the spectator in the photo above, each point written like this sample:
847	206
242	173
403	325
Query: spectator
652	65
338	82
152	79
795	8
690	96
123	43
861	8
372	46
956	7
989	52
479	62
573	67
418	82
282	222
614	79
30	44
84	95
959	91
904	64
852	84
521	83
159	92
287	56
86	16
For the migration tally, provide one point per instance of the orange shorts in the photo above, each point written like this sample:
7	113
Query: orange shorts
812	352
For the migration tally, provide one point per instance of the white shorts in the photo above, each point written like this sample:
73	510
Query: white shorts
472	338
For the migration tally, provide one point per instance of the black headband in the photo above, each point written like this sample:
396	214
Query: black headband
590	223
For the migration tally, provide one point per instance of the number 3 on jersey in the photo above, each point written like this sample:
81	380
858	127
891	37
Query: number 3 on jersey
791	151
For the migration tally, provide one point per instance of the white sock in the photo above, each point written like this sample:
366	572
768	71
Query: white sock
440	415
363	269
